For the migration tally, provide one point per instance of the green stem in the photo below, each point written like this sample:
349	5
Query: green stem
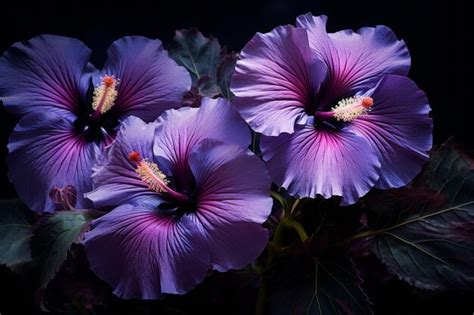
254	142
360	235
263	291
295	225
82	310
281	251
279	198
295	205
275	249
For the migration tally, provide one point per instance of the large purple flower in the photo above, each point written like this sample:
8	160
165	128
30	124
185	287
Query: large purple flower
338	114
62	128
190	198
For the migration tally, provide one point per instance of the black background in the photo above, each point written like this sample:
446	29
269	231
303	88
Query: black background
437	33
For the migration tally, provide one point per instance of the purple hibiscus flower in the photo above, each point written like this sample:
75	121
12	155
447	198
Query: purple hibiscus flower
190	197
338	114
63	128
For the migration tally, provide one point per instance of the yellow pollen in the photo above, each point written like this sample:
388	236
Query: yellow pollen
105	94
151	175
350	108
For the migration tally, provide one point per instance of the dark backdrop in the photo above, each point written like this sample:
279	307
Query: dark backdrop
437	34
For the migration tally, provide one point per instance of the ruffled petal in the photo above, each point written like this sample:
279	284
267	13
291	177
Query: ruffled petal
356	61
150	82
46	152
115	179
179	130
314	162
143	254
48	72
276	80
231	178
232	244
398	128
233	200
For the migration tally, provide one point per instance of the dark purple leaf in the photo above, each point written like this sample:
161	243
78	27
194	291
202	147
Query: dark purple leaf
430	244
310	286
192	98
446	163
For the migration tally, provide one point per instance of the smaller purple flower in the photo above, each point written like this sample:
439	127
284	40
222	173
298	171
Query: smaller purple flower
337	113
189	197
63	130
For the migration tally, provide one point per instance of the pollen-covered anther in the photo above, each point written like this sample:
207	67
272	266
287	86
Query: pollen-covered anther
149	173
351	108
105	94
134	156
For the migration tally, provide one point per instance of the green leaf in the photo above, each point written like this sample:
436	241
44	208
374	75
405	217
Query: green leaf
54	237
224	73
207	87
431	244
15	232
310	286
199	54
209	64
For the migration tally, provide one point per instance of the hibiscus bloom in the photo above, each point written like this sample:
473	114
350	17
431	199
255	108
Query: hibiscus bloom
63	128
338	114
189	197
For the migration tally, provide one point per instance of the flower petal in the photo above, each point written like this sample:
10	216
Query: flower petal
45	153
398	128
150	81
231	178
179	130
355	60
48	72
233	189
232	244
276	79
143	254
115	179
324	162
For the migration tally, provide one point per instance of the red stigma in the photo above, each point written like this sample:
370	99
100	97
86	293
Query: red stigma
134	156
367	102
108	80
